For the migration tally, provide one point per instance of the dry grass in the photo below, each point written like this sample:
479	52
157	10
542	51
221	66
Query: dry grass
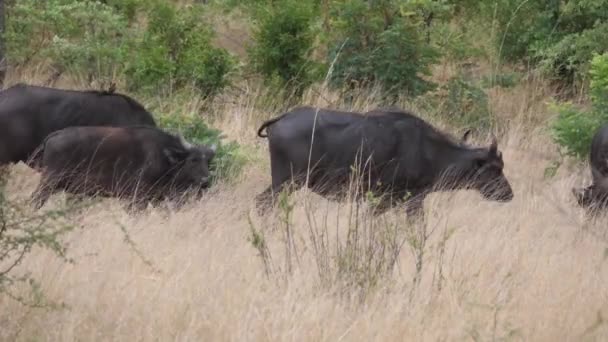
531	269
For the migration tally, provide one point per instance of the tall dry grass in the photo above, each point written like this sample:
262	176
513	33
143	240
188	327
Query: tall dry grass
531	269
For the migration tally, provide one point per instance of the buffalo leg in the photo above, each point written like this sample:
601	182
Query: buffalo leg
137	205
414	209
281	176
4	173
267	199
46	187
386	203
73	200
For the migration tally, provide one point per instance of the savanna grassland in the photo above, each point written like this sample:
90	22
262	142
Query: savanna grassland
533	269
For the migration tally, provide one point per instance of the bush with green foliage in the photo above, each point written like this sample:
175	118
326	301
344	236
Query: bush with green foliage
559	36
455	43
229	159
82	37
574	129
381	43
460	102
284	37
98	40
127	8
569	58
175	51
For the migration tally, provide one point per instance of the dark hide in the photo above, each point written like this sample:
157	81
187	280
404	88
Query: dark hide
399	157
141	163
29	113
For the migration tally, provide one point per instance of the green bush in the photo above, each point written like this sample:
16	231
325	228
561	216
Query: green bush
382	44
284	37
569	58
175	51
559	36
229	159
505	80
81	37
462	103
518	25
574	129
127	8
455	44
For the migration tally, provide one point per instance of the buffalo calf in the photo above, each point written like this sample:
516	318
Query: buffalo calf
144	164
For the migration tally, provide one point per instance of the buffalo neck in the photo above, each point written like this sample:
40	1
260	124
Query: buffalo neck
452	161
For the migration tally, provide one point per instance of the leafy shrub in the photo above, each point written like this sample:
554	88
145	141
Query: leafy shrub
570	57
599	82
574	129
519	24
176	51
380	43
462	103
505	80
561	36
127	8
284	38
63	31
229	159
454	42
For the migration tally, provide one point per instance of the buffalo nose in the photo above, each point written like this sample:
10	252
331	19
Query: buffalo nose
205	181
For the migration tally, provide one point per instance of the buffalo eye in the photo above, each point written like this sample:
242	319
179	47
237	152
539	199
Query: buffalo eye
480	162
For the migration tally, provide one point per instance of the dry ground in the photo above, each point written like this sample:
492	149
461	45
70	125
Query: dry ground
527	270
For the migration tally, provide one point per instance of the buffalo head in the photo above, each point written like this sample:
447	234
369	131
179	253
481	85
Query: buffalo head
191	164
482	169
594	196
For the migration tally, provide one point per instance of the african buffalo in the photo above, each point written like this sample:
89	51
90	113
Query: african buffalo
138	162
29	113
400	157
595	196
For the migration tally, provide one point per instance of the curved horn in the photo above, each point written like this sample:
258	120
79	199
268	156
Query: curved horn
185	143
494	145
466	136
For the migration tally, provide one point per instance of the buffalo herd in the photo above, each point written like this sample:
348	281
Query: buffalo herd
89	143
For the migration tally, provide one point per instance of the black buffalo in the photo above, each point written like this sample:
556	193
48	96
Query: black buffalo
399	157
140	163
595	196
29	113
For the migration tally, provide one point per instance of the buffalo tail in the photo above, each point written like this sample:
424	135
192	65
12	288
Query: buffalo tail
266	124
